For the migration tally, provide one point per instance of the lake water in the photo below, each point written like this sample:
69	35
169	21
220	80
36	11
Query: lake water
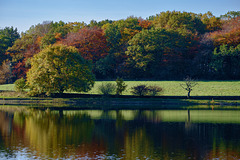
120	134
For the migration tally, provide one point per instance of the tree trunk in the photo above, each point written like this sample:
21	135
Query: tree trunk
188	96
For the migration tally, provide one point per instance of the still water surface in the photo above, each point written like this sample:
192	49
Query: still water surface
120	134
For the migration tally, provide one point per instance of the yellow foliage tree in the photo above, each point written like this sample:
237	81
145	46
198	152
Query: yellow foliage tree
59	68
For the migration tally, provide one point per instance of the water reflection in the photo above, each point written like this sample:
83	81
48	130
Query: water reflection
123	134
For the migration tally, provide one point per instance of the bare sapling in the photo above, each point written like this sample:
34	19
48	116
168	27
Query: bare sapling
188	85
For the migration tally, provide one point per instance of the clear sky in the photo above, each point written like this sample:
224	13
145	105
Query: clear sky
25	13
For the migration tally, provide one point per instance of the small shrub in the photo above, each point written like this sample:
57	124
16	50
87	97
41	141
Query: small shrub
20	85
143	90
140	90
107	89
154	90
121	86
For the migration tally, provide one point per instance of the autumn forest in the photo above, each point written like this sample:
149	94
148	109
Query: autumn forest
167	46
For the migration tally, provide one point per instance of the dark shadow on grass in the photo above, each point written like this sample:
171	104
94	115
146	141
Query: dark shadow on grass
71	95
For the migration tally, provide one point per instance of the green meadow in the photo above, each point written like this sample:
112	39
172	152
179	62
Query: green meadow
172	88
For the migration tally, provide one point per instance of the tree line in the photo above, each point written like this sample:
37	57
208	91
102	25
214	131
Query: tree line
168	46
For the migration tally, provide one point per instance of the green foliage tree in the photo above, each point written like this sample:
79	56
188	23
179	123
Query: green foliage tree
156	52
113	34
75	26
4	44
183	22
11	33
94	23
47	40
230	15
225	62
105	67
211	22
59	68
118	34
7	38
121	86
20	85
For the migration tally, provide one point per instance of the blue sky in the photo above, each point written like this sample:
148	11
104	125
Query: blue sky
25	13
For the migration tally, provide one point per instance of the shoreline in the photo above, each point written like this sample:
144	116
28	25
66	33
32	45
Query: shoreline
99	101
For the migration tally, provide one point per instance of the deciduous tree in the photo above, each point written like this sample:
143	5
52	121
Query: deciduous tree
230	33
5	73
211	22
121	86
184	22
21	51
59	68
8	36
188	85
118	34
159	53
230	15
90	42
225	62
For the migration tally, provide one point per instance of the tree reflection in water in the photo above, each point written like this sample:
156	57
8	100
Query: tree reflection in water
127	134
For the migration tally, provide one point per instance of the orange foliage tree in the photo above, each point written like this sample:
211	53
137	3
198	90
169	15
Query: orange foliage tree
145	24
21	52
230	33
90	42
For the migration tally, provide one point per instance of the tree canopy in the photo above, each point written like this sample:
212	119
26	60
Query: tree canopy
59	68
157	51
168	45
8	36
90	42
183	22
230	33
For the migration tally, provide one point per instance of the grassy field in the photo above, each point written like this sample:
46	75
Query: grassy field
7	87
172	88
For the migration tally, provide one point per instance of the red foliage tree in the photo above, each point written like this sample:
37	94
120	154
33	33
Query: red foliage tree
19	70
90	42
21	52
230	33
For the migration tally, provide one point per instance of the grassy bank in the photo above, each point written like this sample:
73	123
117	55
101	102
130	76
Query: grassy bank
172	88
